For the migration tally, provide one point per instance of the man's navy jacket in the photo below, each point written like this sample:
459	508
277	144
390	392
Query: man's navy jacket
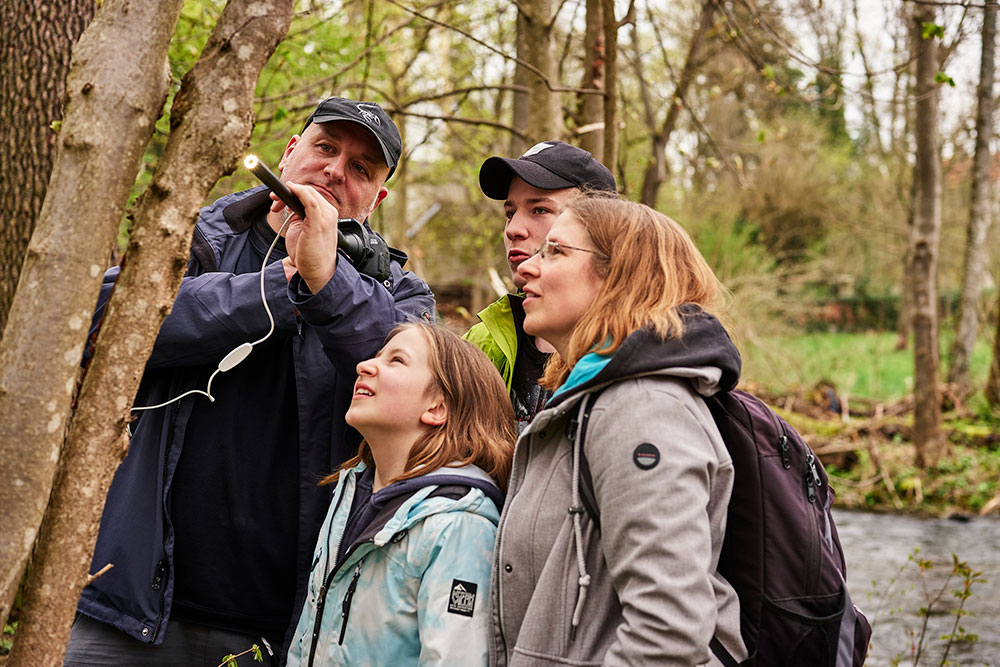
216	310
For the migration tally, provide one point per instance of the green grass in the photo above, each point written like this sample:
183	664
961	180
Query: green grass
862	364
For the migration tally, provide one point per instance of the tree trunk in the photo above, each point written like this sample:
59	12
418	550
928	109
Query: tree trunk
979	212
656	170
211	121
904	325
538	111
926	233
38	39
993	383
116	88
591	107
610	86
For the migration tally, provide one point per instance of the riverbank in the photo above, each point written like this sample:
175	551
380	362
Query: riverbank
867	450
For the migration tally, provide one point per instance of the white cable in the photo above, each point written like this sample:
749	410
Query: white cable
238	353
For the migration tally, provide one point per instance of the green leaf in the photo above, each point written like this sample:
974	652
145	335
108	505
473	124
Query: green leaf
257	655
768	72
929	29
761	137
55	125
280	113
941	77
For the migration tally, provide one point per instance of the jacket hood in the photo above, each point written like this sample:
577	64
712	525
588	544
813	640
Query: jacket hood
403	504
705	354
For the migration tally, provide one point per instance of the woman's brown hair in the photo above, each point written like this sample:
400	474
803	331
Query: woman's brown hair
649	266
480	428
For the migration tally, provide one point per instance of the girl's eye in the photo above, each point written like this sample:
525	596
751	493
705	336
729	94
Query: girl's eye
540	211
396	359
508	214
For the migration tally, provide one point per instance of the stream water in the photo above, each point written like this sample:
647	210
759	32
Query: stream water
889	588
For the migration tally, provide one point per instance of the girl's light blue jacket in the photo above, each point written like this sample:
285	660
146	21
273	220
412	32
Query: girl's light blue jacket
413	589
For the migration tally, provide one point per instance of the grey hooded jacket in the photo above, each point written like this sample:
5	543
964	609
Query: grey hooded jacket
652	595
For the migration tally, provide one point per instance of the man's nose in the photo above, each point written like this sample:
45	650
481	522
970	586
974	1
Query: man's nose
515	228
335	167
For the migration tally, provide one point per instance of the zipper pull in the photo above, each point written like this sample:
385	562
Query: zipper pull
345	609
812	478
160	574
786	461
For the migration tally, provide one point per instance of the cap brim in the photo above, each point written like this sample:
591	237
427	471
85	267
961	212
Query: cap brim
497	172
386	155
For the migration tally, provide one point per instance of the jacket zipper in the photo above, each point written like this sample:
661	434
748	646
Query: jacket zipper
346	607
162	567
327	576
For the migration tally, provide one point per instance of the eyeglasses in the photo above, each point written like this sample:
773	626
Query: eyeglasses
550	248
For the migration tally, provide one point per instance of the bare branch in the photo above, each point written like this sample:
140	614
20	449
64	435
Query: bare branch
528	66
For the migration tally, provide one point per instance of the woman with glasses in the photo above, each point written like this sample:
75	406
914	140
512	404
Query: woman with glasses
628	302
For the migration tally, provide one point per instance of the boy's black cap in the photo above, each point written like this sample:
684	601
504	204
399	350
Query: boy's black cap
367	114
550	165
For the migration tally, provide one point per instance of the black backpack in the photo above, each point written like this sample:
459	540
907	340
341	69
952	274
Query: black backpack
781	551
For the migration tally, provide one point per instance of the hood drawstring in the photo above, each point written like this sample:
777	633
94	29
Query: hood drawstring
575	510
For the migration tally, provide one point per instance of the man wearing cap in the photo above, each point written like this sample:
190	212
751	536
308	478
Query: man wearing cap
212	517
534	188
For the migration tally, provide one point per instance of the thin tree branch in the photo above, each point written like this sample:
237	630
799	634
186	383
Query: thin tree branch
526	65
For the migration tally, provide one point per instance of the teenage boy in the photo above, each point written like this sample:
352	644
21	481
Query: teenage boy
533	187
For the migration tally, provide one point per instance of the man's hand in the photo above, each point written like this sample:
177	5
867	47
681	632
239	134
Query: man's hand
312	243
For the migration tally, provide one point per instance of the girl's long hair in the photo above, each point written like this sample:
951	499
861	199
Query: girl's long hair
650	266
480	427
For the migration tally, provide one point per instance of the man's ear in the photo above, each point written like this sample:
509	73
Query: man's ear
436	414
382	192
288	151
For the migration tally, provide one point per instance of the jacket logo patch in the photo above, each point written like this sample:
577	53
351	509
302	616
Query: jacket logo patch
463	597
646	456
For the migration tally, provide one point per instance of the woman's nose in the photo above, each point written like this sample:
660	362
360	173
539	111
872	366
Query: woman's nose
366	367
530	267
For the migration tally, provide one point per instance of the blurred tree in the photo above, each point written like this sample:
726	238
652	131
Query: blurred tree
590	108
657	168
38	38
537	112
979	211
993	383
924	242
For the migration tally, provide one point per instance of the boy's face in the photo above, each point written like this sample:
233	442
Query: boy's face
530	213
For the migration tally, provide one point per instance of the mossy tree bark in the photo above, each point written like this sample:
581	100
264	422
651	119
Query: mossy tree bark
211	121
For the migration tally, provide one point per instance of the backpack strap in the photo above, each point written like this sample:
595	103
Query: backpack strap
576	431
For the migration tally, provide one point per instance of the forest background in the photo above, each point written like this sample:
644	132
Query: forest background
832	160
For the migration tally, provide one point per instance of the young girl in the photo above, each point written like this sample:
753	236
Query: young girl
402	565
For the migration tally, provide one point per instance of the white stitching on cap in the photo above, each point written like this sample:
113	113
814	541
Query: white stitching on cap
537	148
369	117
